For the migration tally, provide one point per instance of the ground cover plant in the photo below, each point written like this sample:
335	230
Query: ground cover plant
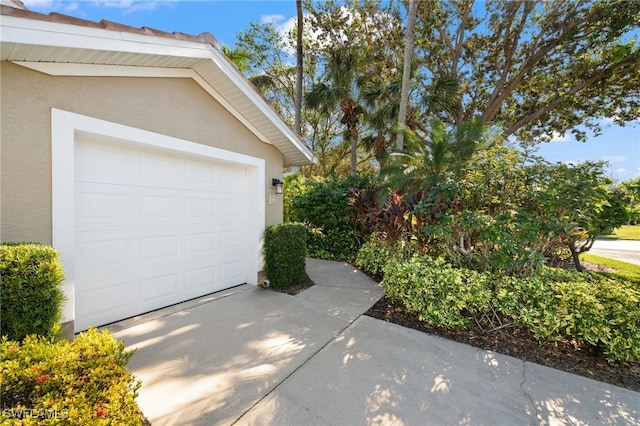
84	381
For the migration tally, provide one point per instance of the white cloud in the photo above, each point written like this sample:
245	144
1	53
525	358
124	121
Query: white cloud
274	19
38	4
284	26
557	137
621	171
615	159
72	7
119	4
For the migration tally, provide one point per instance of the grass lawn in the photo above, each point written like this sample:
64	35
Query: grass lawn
626	270
625	232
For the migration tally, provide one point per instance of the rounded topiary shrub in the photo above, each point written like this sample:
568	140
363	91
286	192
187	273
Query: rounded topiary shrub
30	290
285	248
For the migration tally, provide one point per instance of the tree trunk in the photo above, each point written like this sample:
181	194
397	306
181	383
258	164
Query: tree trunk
353	130
576	258
406	74
298	100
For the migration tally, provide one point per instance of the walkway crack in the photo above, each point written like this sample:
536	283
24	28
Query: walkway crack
535	411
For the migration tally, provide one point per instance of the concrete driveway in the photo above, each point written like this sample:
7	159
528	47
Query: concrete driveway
254	356
625	250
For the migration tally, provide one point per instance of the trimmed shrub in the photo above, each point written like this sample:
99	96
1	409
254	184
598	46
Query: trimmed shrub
285	248
80	382
31	295
589	307
437	292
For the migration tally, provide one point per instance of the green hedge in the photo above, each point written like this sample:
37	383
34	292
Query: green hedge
595	308
285	248
590	307
30	290
77	383
322	205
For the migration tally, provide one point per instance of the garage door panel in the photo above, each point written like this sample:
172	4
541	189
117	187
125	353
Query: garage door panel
232	208
155	230
232	271
200	279
203	242
102	253
98	306
200	207
156	207
101	163
158	169
200	175
160	289
232	239
159	247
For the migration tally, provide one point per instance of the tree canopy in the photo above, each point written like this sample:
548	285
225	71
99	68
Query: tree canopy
534	68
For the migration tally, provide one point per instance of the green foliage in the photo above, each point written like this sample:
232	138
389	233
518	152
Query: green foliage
285	247
373	256
324	210
294	185
438	293
593	308
629	193
31	295
84	381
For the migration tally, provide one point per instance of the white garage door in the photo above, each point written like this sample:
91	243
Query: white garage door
153	228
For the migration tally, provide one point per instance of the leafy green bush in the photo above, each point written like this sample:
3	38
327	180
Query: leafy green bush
373	256
594	308
322	205
285	248
80	382
31	295
437	292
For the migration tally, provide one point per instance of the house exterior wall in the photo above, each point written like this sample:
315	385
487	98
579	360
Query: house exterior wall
175	107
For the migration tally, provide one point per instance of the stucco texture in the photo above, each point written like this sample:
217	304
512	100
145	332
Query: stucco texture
175	107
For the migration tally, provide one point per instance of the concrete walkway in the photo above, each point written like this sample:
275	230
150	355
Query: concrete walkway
252	356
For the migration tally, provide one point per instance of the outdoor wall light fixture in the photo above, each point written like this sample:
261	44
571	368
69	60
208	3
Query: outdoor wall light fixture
278	184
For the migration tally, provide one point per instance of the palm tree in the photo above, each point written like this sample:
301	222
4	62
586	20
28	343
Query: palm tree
426	163
239	57
340	88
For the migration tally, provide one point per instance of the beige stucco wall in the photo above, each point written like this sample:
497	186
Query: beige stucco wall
174	107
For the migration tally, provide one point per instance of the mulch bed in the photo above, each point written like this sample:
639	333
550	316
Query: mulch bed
296	287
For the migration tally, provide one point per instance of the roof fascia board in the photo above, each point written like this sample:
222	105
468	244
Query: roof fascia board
257	99
56	34
91	70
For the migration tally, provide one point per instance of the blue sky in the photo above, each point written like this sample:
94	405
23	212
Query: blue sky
620	146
